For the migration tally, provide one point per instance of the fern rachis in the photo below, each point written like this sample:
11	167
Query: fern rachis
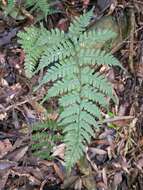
80	88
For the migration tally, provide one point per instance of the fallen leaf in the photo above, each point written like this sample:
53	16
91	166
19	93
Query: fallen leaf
124	165
117	179
97	151
78	184
69	182
40	110
85	3
58	171
63	24
140	163
59	151
21	173
3	116
104	175
3	178
53	116
17	154
5	147
6	164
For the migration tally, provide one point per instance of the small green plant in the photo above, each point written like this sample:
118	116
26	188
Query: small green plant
42	6
81	89
39	6
45	135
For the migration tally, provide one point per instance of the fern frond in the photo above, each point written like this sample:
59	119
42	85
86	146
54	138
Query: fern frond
81	90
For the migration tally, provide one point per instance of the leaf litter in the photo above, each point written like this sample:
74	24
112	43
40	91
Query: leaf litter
114	159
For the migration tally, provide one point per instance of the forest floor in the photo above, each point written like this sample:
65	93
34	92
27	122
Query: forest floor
114	159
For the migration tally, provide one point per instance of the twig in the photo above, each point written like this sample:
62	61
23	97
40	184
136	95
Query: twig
117	118
131	51
17	104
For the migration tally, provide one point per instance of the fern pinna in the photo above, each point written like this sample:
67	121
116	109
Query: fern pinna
81	90
45	135
39	5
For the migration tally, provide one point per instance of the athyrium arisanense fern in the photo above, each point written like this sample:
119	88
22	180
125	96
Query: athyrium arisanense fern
82	91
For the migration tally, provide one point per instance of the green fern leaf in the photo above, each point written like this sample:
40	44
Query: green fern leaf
99	57
42	6
61	87
79	25
32	50
96	38
91	108
44	138
91	94
69	99
81	90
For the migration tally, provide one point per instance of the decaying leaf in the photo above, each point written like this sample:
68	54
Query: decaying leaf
5	147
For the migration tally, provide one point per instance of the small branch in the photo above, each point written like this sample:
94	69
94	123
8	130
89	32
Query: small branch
114	119
131	51
17	104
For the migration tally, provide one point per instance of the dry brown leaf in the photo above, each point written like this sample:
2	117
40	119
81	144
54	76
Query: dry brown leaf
5	147
141	142
40	110
37	173
69	182
53	116
3	115
59	151
3	178
117	179
101	185
105	134
6	164
78	184
125	165
58	171
97	151
85	3
104	175
63	24
3	82
113	5
109	152
31	178
139	163
17	154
